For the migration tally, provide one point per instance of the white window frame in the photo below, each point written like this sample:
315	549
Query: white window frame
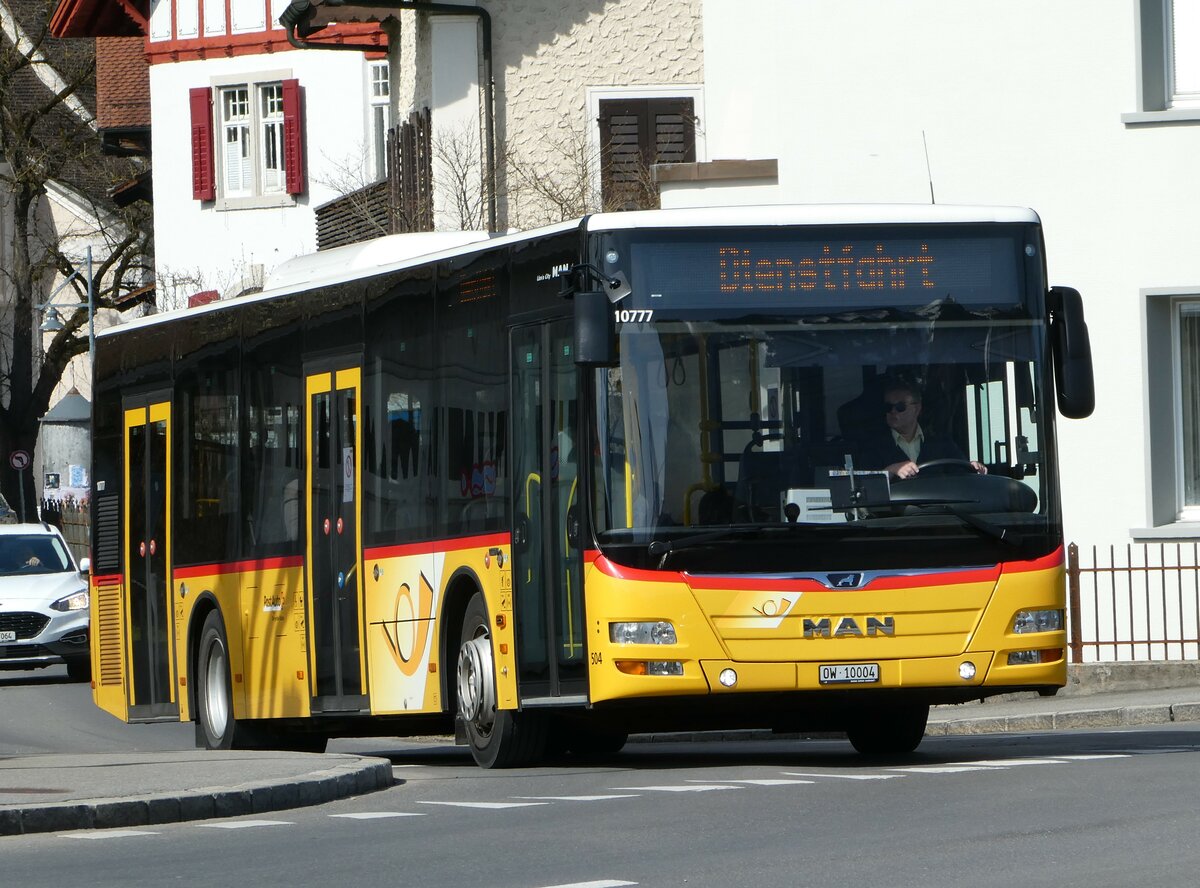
379	111
1168	518
258	194
1158	100
1180	307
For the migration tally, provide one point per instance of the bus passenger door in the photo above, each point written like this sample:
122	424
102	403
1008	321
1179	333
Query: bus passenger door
149	603
333	429
547	575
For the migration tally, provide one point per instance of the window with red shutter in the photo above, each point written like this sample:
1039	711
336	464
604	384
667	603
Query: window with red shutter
293	137
204	180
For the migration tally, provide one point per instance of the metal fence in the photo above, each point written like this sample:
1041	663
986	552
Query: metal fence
1136	602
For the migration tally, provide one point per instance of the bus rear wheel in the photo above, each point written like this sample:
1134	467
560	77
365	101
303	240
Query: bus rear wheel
896	730
498	738
215	722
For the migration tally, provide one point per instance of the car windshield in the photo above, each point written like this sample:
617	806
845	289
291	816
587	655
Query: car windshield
731	443
27	554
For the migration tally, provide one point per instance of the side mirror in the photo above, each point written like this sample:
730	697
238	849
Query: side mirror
1072	348
595	334
85	566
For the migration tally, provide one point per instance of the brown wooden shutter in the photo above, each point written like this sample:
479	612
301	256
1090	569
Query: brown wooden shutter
204	180
635	134
293	137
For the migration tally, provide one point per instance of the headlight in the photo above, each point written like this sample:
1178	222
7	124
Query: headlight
76	601
1038	621
659	632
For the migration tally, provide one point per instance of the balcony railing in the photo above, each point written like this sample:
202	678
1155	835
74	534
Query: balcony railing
400	203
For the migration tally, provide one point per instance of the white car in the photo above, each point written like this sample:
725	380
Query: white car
44	612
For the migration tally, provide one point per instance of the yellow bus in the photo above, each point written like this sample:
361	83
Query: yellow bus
785	467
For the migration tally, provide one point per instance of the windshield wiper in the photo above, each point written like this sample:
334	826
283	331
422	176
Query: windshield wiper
663	549
985	527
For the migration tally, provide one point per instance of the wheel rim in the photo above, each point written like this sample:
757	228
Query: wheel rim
476	687
216	692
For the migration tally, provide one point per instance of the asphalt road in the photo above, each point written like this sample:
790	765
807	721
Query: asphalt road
1112	808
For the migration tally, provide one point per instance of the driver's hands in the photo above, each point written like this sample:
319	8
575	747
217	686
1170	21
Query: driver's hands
979	467
902	470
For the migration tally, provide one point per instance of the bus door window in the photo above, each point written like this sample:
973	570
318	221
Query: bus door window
148	560
565	554
548	595
333	539
527	449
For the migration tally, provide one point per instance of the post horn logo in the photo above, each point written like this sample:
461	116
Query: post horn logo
407	632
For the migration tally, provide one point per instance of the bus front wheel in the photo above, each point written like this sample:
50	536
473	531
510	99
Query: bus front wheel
215	723
498	738
887	732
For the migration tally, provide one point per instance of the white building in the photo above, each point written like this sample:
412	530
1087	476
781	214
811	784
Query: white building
1088	112
249	135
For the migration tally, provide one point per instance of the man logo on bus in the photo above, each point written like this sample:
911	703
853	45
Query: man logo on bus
847	627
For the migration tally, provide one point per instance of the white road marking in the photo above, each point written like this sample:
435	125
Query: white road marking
246	824
1092	758
489	806
603	883
694	787
945	769
578	798
1014	763
766	781
377	815
108	834
845	776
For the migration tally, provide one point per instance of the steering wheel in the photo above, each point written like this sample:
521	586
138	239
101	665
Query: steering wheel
964	464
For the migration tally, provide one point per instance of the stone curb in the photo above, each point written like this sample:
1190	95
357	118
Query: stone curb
258	797
1125	716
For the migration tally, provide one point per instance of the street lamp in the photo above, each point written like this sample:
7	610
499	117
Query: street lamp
53	320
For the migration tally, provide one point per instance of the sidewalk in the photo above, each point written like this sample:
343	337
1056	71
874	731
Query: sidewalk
41	793
71	792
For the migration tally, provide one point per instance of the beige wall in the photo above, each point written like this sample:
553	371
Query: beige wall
548	57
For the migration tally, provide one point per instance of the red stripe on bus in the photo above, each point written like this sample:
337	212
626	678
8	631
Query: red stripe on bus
431	547
108	580
1046	562
253	564
988	574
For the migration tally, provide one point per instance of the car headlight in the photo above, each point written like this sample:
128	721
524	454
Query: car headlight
1038	621
657	632
74	602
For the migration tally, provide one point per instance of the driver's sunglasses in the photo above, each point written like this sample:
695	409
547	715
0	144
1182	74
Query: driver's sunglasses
897	406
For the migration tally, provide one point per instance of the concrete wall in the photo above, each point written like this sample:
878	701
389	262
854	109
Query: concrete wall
1017	107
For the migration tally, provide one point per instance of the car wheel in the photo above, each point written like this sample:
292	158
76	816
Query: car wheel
79	669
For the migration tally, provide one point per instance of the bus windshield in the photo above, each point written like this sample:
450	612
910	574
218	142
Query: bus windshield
764	437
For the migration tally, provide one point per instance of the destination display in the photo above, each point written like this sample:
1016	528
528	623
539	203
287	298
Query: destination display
826	274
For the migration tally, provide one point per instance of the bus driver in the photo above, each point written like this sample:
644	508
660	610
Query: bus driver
905	444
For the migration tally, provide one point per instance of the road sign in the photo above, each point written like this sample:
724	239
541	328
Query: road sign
19	460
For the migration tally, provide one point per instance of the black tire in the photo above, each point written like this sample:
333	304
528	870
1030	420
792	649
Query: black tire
498	738
216	726
79	669
894	731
